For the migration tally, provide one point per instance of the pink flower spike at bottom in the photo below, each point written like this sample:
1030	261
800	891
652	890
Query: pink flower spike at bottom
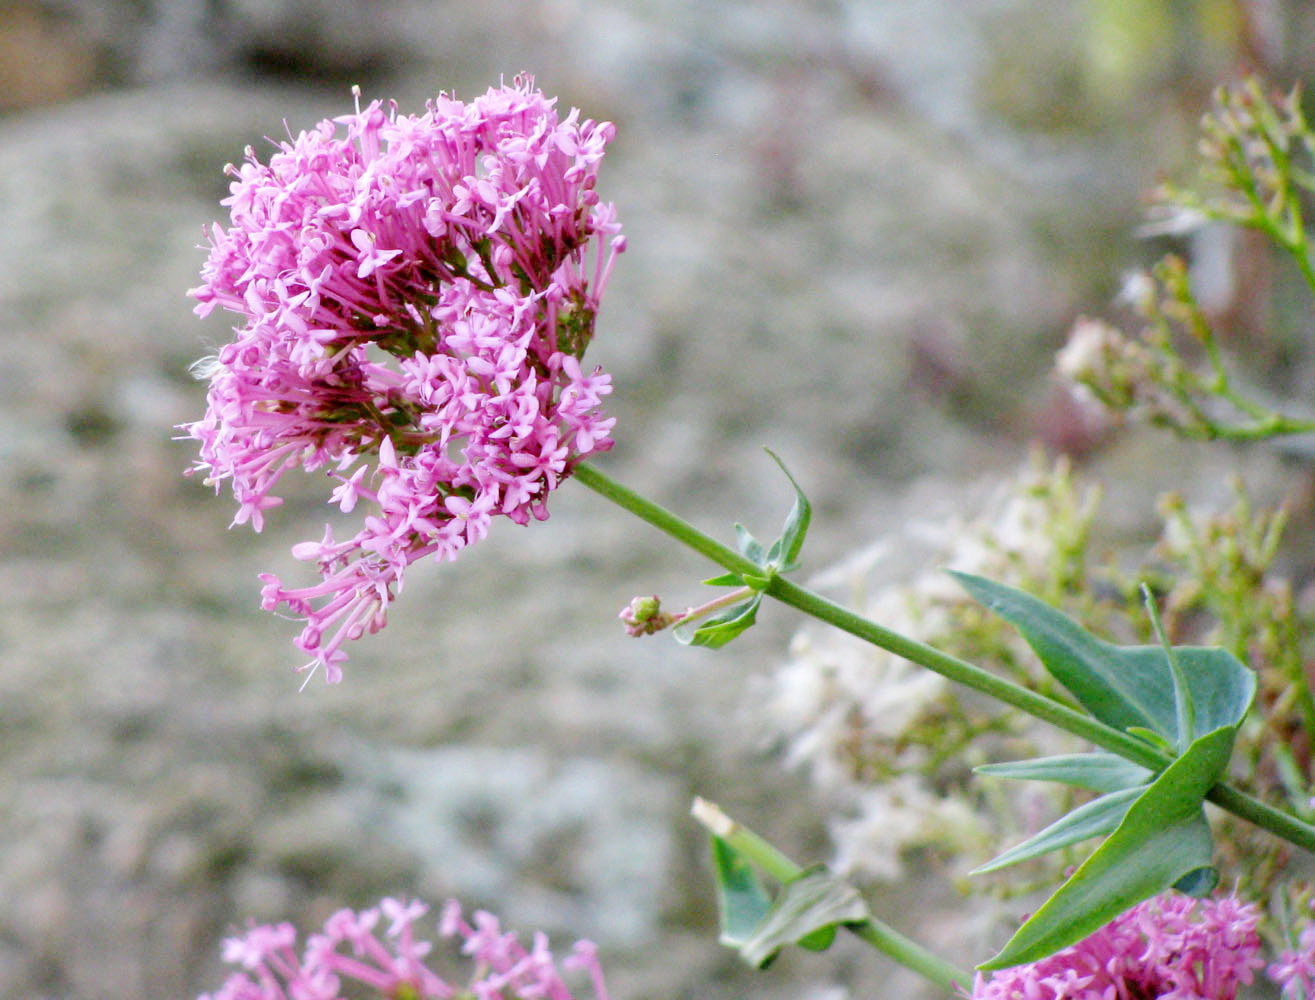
1170	946
1294	971
417	293
390	960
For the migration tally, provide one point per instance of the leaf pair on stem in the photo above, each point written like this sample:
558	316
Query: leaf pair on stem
1187	702
1166	720
781	556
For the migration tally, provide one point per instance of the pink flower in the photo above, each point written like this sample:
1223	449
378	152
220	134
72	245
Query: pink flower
1295	969
350	952
417	292
1172	947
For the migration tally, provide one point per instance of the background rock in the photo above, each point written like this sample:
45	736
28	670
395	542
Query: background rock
856	230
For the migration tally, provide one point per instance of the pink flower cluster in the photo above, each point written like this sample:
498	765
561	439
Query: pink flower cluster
418	292
1295	969
351	952
1171	947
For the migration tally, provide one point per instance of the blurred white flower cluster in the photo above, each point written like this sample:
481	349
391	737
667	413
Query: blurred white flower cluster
891	745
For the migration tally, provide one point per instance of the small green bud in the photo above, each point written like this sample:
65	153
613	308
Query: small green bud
644	616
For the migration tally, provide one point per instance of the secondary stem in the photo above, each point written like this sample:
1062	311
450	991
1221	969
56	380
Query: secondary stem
716	604
950	667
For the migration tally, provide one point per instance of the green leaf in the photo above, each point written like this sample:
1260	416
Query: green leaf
1097	771
1220	685
716	631
1089	668
725	580
1125	687
741	900
1092	819
1184	708
786	549
807	911
1164	839
749	546
1153	738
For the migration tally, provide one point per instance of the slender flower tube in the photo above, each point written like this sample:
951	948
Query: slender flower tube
417	293
355	950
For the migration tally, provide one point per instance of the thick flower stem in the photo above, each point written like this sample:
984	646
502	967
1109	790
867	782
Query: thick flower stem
663	519
879	935
1037	705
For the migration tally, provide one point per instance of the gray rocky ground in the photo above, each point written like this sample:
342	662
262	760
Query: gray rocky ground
841	246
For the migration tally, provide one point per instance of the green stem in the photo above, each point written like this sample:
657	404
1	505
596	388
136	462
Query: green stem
961	672
664	520
880	935
1037	705
744	841
1274	425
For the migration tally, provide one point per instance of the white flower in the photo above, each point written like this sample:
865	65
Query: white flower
896	816
848	712
1084	354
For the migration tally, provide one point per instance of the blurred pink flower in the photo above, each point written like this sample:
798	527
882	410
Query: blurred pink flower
417	293
352	950
1172	947
1294	970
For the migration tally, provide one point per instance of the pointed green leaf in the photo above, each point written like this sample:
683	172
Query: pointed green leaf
1092	819
1171	851
741	900
1220	686
716	631
1153	738
1125	687
786	549
1183	705
1163	839
806	911
1089	668
748	545
1097	771
725	580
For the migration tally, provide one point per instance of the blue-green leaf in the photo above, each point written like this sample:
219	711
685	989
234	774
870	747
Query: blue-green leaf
1097	771
1153	738
1184	706
716	631
741	900
724	580
1219	685
1163	840
807	911
1125	687
785	550
1092	819
749	546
